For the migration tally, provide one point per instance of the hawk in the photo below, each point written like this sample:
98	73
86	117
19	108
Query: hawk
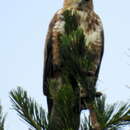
92	28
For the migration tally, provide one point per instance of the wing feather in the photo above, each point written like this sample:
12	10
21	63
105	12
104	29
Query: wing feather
48	65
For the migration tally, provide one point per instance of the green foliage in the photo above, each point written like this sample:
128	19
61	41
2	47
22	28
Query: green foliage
28	109
109	116
76	58
121	117
66	104
71	21
65	107
70	51
2	119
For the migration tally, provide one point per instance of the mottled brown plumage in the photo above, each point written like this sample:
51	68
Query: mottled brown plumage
91	24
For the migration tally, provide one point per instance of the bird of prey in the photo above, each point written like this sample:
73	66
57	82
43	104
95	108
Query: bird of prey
92	28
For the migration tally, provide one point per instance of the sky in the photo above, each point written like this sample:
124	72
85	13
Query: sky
23	28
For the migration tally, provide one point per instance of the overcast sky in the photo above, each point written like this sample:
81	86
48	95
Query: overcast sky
23	27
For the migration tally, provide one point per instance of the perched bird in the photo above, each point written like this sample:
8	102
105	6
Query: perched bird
92	28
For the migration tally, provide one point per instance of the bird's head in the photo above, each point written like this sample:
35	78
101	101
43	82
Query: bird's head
80	4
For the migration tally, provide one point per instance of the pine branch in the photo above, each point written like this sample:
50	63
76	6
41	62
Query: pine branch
121	117
76	58
110	116
2	119
28	109
86	124
65	114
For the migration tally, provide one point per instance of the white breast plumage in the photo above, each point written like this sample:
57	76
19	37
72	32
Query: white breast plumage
92	36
